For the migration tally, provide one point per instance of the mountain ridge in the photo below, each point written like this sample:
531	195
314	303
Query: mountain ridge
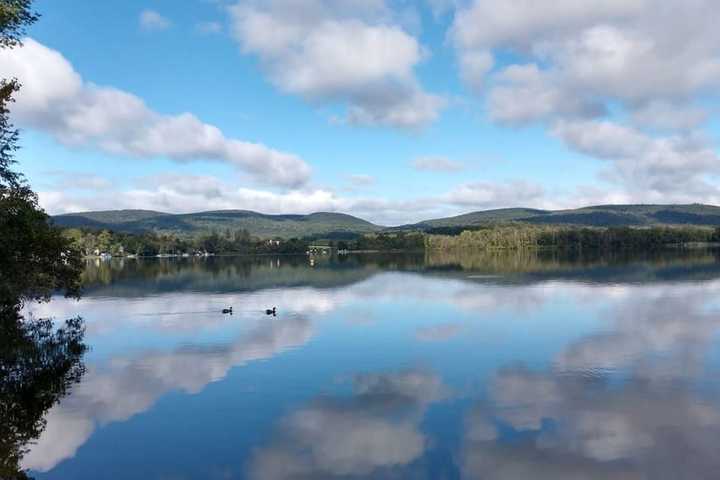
339	224
258	224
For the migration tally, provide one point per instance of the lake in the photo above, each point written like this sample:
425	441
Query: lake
485	366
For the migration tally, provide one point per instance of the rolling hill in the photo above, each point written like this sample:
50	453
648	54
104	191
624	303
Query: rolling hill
258	224
595	216
339	225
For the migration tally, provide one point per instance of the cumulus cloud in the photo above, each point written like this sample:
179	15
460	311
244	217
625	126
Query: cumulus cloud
437	164
345	51
664	115
638	67
152	20
55	99
673	167
474	66
524	93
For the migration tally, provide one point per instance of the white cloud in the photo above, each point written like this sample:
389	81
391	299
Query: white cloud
487	24
639	62
55	99
437	164
524	93
152	20
474	66
669	168
669	116
348	51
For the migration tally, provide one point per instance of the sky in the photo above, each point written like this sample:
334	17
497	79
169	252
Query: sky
392	110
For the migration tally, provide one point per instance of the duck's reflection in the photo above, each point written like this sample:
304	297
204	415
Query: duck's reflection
374	433
636	402
127	387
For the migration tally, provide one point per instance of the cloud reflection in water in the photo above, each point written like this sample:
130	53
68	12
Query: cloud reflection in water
371	434
633	402
131	386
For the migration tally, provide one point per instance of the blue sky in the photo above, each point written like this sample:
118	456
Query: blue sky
392	110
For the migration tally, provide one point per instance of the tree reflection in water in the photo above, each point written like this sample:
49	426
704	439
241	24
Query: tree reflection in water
39	364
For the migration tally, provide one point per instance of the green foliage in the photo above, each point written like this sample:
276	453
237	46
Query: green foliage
15	17
521	236
38	364
9	179
388	241
93	242
35	259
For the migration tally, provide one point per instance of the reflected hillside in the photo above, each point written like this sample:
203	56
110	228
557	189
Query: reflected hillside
141	277
134	278
529	266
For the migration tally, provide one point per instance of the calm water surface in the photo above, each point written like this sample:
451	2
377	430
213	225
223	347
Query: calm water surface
507	366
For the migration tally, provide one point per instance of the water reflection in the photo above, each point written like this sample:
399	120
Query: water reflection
545	368
529	266
39	365
128	386
639	401
220	275
373	433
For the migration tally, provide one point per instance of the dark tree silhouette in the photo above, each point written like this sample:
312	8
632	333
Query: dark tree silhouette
15	17
35	259
38	366
37	363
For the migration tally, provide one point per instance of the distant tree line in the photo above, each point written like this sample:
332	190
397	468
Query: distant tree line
92	242
506	236
385	242
608	239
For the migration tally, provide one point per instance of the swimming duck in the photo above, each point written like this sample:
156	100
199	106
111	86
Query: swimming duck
227	310
271	312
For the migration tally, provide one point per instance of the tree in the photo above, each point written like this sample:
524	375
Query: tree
37	363
15	17
35	258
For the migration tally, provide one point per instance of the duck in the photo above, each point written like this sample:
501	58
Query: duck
272	311
227	310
